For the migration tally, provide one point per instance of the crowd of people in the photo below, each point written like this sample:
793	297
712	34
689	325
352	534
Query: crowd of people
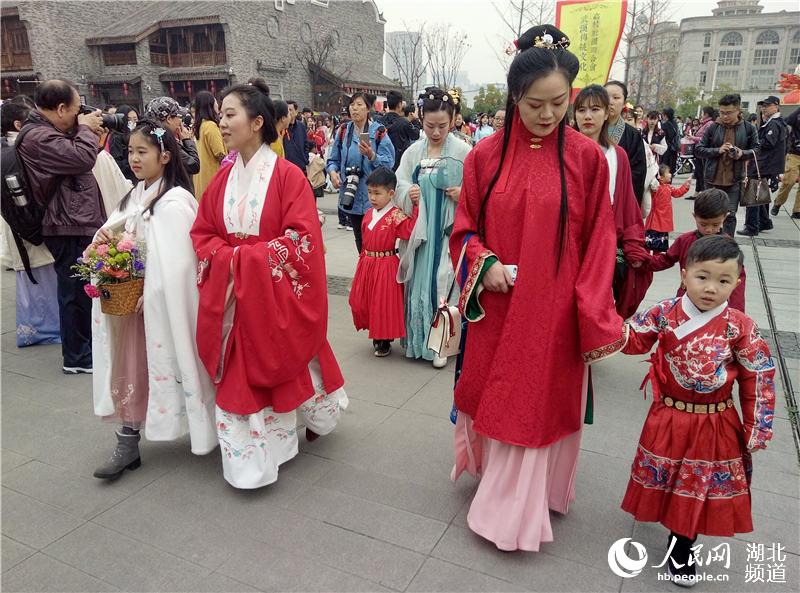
543	222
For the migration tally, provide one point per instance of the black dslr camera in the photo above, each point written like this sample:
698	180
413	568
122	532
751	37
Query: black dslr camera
115	122
351	180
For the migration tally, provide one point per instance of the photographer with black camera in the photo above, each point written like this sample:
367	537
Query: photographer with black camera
359	147
173	117
726	147
58	148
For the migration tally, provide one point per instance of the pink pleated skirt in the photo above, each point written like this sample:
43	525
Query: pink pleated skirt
518	486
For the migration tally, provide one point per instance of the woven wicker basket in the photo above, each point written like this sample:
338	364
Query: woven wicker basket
120	299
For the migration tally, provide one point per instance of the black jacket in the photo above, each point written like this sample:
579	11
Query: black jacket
746	138
772	153
402	134
671	134
189	156
631	143
294	144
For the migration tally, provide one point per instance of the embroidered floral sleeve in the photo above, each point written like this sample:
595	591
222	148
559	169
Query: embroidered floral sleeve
285	258
645	327
468	303
756	381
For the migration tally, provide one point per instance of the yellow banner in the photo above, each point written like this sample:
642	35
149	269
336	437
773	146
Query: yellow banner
594	28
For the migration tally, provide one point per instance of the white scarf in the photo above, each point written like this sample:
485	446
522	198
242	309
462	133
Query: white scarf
246	190
697	318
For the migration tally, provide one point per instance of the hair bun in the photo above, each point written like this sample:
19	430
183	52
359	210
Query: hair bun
544	37
259	83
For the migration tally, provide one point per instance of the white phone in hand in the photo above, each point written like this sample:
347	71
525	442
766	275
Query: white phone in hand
364	137
512	271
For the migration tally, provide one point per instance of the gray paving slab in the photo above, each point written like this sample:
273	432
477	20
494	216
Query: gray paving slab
219	583
11	460
33	523
13	553
273	569
372	519
437	575
124	562
42	573
76	495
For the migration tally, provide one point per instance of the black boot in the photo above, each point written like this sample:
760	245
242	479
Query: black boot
681	570
125	456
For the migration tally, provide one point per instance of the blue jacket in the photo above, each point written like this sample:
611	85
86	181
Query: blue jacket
344	154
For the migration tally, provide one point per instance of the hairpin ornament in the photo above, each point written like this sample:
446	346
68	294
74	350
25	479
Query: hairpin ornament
159	133
546	41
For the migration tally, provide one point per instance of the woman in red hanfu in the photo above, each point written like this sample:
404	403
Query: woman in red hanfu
262	322
631	278
534	197
692	467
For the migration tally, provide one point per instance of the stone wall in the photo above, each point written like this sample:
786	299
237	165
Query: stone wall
254	32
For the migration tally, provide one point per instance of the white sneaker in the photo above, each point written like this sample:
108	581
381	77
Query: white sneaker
341	227
439	363
77	370
349	228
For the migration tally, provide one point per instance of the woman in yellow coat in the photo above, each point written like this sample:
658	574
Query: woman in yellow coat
210	146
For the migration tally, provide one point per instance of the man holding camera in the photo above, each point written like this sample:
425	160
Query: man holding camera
726	146
58	151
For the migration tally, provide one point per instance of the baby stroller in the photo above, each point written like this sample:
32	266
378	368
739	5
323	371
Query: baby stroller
684	165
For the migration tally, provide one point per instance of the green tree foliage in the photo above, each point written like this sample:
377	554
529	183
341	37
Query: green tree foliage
688	99
488	99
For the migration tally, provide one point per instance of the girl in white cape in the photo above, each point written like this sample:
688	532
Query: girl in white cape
147	373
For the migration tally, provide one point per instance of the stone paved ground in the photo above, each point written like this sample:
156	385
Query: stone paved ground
368	508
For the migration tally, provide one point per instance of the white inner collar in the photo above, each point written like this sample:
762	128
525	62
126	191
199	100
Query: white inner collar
378	214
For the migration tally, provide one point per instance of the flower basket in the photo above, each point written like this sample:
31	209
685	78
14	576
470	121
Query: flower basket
121	298
114	271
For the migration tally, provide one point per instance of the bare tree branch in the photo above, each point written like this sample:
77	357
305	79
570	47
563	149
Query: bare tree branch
518	16
446	48
407	53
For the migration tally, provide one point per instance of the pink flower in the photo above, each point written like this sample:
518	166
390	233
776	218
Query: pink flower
91	291
102	250
125	245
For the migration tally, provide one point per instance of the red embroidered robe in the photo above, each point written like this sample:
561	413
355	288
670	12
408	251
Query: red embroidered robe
279	324
526	351
692	470
376	297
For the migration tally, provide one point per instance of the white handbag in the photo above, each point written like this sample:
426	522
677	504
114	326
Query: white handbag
445	335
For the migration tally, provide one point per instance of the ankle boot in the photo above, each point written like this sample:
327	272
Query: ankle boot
686	574
125	456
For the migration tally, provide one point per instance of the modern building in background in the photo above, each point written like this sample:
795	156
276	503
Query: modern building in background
130	52
738	46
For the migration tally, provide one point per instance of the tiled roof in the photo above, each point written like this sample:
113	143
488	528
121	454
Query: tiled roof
142	21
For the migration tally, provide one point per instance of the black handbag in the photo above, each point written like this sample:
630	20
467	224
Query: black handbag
755	191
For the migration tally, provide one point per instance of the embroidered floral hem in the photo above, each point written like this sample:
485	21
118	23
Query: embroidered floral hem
607	351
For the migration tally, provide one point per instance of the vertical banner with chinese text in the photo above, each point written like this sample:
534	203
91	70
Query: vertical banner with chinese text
594	28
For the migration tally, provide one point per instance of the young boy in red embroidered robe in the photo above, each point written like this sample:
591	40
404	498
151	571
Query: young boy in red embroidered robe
376	297
710	210
692	467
